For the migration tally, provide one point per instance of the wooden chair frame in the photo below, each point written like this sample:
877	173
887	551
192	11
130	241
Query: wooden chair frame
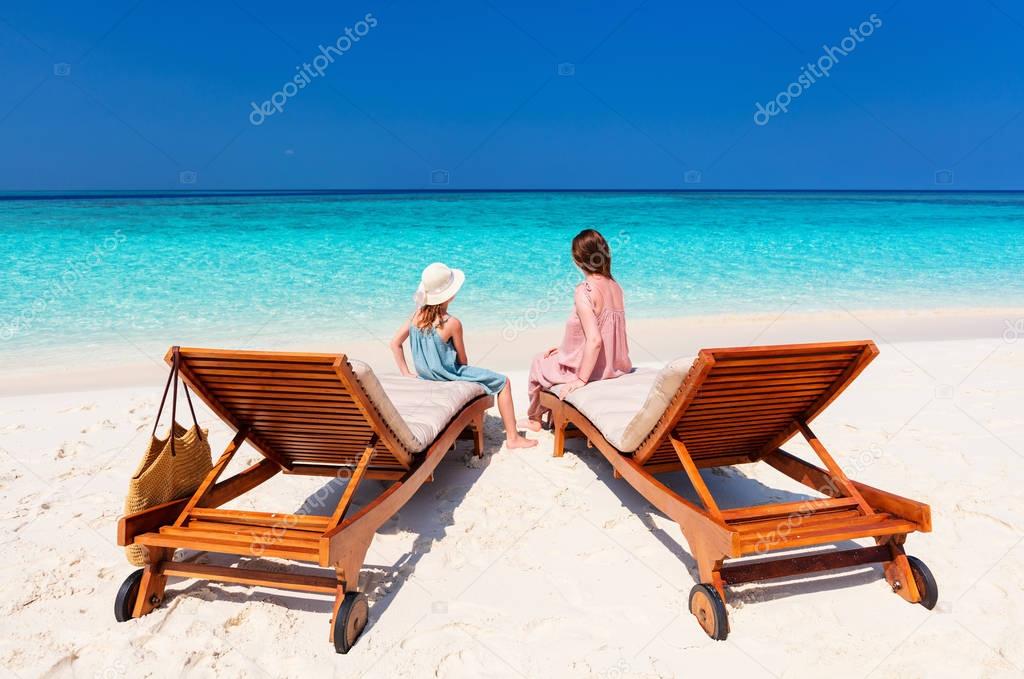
847	511
339	542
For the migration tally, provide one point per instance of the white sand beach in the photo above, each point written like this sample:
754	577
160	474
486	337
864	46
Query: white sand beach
524	565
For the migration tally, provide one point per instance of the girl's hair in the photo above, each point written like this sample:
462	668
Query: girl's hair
591	253
429	314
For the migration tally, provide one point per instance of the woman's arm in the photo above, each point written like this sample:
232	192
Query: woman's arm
592	346
398	350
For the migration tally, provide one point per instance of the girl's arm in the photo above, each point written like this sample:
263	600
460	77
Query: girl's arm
398	350
454	328
592	347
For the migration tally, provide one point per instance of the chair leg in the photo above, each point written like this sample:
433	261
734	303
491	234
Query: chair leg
898	573
478	435
351	562
709	565
709	568
339	598
559	424
151	589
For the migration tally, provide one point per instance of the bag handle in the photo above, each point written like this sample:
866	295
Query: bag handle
173	377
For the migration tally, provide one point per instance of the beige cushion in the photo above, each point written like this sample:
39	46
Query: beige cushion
416	410
625	409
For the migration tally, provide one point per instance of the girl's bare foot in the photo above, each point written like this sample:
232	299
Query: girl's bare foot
519	442
532	425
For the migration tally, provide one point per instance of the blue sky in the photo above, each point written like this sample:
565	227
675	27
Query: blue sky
449	95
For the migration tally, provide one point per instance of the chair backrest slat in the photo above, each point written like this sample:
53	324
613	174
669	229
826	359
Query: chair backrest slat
739	403
299	408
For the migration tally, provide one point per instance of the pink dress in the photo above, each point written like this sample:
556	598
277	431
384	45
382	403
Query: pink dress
563	365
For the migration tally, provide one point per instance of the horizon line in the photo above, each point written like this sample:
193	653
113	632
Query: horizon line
63	194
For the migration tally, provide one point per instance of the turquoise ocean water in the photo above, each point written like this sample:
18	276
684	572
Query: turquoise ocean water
111	270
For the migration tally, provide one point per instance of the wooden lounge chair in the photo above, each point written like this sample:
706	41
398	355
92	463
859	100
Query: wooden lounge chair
736	406
315	414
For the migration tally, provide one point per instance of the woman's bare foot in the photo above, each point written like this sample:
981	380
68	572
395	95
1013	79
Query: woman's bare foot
519	441
532	425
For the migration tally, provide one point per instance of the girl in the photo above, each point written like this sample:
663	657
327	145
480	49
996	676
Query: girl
438	351
594	346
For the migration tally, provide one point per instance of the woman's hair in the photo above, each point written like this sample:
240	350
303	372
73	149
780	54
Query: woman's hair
591	253
429	314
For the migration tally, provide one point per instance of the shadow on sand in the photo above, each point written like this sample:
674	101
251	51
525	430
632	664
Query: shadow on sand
731	488
421	516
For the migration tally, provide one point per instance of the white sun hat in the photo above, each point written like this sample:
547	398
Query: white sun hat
438	284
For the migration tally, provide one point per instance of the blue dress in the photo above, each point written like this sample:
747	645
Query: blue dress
435	359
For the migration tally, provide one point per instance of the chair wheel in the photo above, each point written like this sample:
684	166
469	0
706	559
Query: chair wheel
925	581
708	608
350	621
124	602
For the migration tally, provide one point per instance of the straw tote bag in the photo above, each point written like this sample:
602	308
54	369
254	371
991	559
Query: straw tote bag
171	468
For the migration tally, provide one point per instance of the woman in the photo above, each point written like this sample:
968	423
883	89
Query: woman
594	346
